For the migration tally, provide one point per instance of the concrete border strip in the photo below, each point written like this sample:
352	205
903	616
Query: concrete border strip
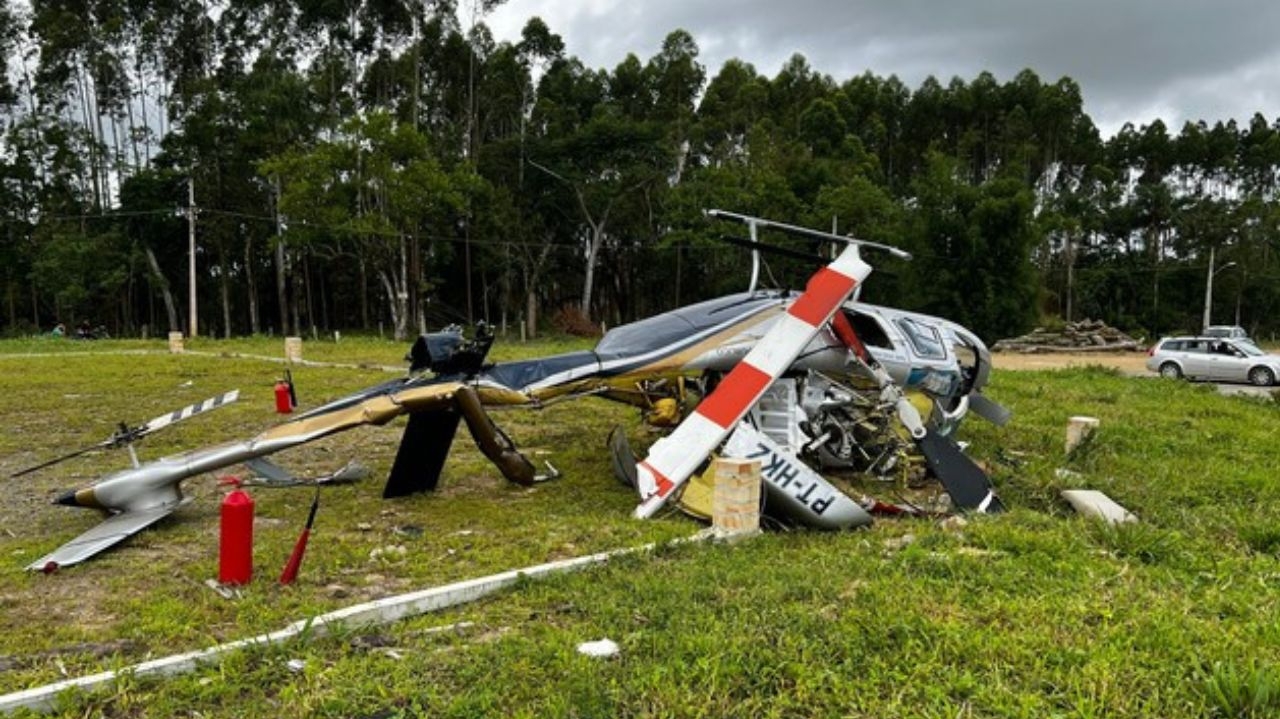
379	611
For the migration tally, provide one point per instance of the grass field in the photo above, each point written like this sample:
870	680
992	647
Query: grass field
1033	613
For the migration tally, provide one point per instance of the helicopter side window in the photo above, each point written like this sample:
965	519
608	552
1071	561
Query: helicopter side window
869	330
924	339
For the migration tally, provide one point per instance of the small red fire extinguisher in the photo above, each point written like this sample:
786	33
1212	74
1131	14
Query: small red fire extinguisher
286	396
284	403
235	545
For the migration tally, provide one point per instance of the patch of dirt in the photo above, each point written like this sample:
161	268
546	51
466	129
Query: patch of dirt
1127	362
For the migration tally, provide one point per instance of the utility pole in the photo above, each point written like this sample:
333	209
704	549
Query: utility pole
1208	288
191	248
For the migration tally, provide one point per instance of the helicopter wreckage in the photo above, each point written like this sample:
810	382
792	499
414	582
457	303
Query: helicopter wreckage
808	382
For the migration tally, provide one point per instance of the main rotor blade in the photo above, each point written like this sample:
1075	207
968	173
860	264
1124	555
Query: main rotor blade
806	232
63	458
188	412
124	435
774	249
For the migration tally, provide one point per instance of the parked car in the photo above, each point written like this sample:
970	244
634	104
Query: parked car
1213	358
1228	332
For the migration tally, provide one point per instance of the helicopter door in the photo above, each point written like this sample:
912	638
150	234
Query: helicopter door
872	331
882	340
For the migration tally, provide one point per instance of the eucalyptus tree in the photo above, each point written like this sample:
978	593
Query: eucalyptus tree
735	100
377	183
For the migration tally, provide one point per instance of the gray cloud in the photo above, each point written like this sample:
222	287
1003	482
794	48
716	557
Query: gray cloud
1135	60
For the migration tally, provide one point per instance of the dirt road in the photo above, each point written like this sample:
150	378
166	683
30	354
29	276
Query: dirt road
1130	363
1127	362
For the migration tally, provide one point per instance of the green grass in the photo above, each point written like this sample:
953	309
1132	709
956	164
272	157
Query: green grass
1033	613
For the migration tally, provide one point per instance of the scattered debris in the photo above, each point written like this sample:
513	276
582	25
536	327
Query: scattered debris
600	649
95	650
269	474
222	591
1082	336
895	544
1092	503
296	665
390	553
371	641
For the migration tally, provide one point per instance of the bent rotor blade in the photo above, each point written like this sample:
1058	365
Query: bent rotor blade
188	412
968	485
672	459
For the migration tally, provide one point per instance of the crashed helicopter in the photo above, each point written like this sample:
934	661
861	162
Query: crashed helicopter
805	381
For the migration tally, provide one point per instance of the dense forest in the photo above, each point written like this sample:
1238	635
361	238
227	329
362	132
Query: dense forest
387	166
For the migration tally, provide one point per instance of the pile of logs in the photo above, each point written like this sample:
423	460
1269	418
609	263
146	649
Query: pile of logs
1082	336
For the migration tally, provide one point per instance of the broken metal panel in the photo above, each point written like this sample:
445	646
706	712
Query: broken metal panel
1092	503
775	415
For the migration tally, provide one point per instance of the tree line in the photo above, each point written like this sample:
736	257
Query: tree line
388	165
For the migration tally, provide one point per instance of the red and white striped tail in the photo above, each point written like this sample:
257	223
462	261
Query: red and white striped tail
672	459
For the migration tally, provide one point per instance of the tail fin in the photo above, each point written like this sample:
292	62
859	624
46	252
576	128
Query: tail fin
423	449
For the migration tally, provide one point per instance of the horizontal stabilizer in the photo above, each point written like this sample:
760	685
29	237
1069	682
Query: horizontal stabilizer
272	472
269	474
115	529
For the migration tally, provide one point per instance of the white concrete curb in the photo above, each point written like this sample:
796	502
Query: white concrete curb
380	611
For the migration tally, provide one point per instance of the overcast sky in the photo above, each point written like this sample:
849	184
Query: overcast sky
1135	60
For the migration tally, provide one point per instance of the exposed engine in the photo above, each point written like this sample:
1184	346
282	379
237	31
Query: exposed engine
833	425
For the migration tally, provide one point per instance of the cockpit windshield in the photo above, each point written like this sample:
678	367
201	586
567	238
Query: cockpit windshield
924	339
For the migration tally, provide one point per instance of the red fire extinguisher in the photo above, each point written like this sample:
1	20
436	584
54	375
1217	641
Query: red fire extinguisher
235	545
284	400
286	395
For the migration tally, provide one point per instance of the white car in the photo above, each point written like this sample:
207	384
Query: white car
1213	358
1228	332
